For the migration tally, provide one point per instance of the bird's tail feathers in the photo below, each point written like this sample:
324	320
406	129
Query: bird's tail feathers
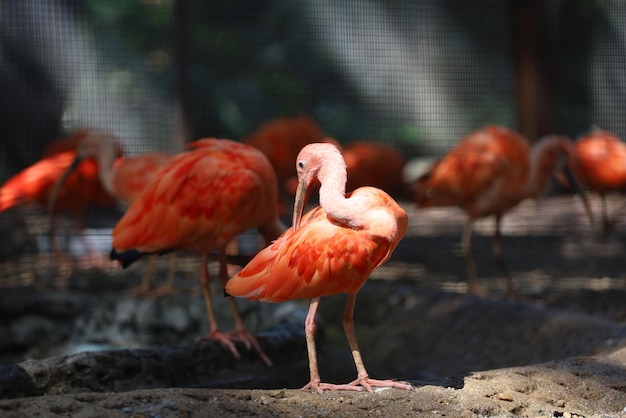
126	258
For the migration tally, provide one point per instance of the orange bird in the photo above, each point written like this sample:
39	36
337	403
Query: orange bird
281	139
202	200
124	178
375	164
489	172
599	164
332	249
81	190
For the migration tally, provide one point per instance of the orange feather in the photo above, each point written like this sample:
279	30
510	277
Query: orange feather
321	258
599	164
282	138
371	163
201	200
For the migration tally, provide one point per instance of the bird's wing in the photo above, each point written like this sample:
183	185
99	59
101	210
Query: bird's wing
319	259
198	202
133	175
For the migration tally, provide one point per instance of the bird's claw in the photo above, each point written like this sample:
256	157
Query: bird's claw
250	341
224	339
368	383
242	336
357	385
320	387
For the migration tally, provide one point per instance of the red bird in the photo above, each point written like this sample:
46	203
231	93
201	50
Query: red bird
489	172
81	190
202	200
375	164
332	249
599	164
124	178
281	139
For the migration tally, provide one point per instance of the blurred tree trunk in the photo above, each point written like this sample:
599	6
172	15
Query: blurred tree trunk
535	37
181	54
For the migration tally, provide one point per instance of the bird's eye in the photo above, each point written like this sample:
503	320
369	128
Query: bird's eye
301	165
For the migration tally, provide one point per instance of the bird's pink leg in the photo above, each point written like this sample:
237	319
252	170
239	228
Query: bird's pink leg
498	254
144	287
168	287
240	333
214	332
315	382
466	243
93	258
363	378
54	243
608	222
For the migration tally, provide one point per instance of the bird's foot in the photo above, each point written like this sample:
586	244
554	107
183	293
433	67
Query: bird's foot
357	385
141	290
161	292
477	290
225	339
320	387
250	341
368	383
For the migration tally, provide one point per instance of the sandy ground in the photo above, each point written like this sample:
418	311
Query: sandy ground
558	350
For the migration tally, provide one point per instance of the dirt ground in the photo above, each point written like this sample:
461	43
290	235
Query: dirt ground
557	350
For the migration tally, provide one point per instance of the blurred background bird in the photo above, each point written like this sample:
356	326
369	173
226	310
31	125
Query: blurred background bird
125	179
376	164
80	191
281	139
202	200
332	249
599	164
489	172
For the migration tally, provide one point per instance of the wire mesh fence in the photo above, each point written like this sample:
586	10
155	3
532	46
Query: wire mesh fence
416	75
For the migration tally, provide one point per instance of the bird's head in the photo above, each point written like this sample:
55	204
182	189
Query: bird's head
311	165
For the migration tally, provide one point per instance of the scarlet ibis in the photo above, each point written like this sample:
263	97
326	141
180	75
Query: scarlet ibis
198	203
489	172
81	190
332	249
281	139
124	178
373	163
599	164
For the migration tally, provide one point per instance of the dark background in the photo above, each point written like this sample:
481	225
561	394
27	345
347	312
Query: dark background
417	75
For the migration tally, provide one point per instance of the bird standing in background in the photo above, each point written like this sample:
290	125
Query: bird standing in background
125	179
202	200
599	164
489	172
81	190
281	139
371	163
332	249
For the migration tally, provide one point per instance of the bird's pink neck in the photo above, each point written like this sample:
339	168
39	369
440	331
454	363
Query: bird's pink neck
543	161
106	158
333	176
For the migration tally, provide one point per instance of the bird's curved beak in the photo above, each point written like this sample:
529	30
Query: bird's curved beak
59	183
302	195
576	186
